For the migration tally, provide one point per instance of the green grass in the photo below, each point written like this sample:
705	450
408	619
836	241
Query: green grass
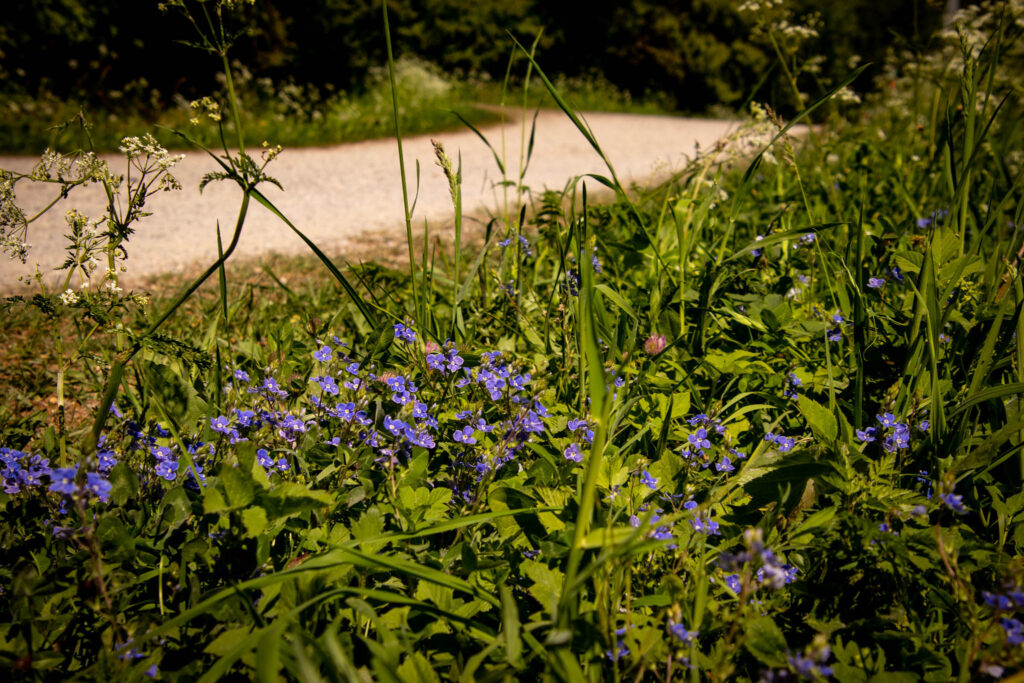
295	116
683	488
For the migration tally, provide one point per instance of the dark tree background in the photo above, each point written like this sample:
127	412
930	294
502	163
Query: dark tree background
697	51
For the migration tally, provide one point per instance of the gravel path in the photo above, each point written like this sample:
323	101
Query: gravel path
347	198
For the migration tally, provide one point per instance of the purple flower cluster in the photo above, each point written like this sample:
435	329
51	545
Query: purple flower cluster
62	480
268	463
771	571
581	432
405	332
523	242
658	531
836	333
705	525
166	462
792	384
445	362
895	434
783	443
700	442
681	633
811	665
21	470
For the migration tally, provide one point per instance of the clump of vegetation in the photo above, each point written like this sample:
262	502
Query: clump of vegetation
311	70
761	422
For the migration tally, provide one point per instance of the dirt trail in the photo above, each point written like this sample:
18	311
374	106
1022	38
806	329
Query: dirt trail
347	198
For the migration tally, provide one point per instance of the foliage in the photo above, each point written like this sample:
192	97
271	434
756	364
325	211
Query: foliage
313	61
760	422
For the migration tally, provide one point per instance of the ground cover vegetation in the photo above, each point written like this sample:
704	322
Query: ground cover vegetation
310	72
761	422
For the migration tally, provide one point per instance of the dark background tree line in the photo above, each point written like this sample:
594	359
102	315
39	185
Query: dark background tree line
697	52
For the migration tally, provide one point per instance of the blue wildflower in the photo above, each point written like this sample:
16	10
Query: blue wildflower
1014	630
866	435
887	419
264	459
62	480
648	480
680	632
464	435
954	502
699	439
405	333
572	452
97	485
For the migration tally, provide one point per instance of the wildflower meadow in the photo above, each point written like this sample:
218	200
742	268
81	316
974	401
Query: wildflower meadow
759	422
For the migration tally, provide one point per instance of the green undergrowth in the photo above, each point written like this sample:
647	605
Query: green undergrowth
294	115
760	422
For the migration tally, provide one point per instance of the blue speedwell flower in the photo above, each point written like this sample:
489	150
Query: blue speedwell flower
405	333
876	282
464	435
220	424
572	452
954	502
680	632
62	480
784	443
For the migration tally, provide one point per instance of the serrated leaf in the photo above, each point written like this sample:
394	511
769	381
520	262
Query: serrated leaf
547	583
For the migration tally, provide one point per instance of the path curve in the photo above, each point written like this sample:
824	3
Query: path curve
347	198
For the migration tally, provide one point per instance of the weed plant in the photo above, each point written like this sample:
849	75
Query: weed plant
761	422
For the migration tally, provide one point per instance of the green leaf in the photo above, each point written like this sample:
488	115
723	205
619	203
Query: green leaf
597	538
124	484
177	396
118	543
820	419
894	677
255	521
177	506
765	641
416	669
617	299
369	526
290	498
228	640
511	626
813	527
238	488
547	583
